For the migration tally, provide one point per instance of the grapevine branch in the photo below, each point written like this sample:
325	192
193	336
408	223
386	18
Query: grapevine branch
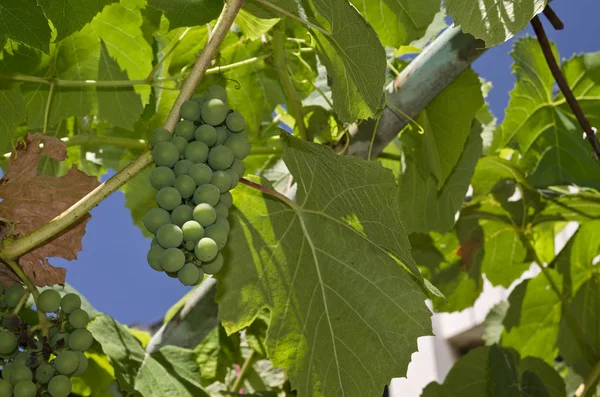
15	248
553	18
562	83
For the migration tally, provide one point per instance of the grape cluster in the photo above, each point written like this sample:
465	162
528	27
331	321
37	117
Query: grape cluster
33	365
196	168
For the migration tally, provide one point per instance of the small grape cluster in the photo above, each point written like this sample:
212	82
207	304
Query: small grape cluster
196	168
32	365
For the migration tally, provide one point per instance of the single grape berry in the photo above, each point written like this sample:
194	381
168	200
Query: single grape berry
220	157
196	152
192	232
6	389
185	129
44	373
159	135
189	274
59	386
200	99
13	295
169	236
218	233
181	215
172	260
25	388
189	245
83	364
165	154
239	167
190	110
239	145
222	210
180	143
235	122
153	257
79	318
222	135
162	177
168	198
155	218
20	373
49	301
66	362
216	91
208	194
206	249
213	267
226	198
70	302
205	214
221	180
182	167
81	339
214	111
223	222
22	358
200	173
207	134
235	178
185	185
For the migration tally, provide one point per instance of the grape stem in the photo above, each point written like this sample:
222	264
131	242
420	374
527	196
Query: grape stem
240	378
15	248
21	303
270	192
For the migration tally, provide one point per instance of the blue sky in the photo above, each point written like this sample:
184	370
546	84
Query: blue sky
111	271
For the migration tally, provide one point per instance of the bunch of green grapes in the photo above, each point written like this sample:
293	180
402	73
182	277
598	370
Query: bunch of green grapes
32	364
196	168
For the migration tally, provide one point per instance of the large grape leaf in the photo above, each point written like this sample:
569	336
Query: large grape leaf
188	12
398	22
335	270
542	124
68	16
577	261
24	21
493	21
12	114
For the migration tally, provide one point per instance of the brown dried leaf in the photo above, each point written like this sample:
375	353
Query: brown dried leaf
30	200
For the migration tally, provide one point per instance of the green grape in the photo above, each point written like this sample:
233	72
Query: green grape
213	267
206	249
6	370
172	274
13	296
83	364
222	210
70	302
222	135
189	245
185	129
25	388
207	134
49	301
220	157
162	177
182	167
214	111
159	135
221	180
216	91
154	257
235	122
208	194
205	214
181	214
155	218
79	318
59	386
44	373
165	154
81	339
169	236
189	274
200	173
185	185
22	358
223	222
239	145
200	99
217	233
235	178
226	198
66	362
19	373
192	231
190	110
196	152
54	341
154	243
238	167
181	143
172	260
6	389
168	198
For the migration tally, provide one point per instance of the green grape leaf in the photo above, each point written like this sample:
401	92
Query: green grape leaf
140	197
187	51
119	106
69	16
188	12
335	318
577	261
554	384
533	317
254	27
13	113
580	206
398	22
542	124
493	21
493	323
490	170
216	354
24	21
